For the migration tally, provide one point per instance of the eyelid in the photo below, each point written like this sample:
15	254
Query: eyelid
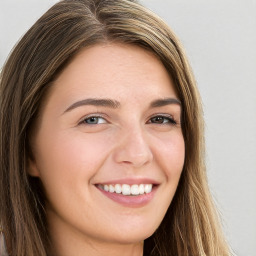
173	121
97	115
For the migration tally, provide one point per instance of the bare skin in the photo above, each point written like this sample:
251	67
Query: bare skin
112	117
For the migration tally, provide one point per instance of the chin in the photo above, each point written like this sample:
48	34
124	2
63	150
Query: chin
132	235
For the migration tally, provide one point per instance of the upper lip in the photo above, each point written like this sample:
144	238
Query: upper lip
130	181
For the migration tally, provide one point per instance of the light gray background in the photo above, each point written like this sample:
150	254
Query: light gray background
220	39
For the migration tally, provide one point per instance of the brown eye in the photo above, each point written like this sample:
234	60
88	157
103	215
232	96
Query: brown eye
162	120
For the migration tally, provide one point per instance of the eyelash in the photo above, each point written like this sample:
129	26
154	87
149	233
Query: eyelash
83	121
169	118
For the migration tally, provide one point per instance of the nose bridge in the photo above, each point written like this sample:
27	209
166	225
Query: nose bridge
133	148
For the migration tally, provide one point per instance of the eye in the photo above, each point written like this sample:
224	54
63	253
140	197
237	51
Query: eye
161	119
93	120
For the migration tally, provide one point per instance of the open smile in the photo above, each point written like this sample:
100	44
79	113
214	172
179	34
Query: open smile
126	189
130	195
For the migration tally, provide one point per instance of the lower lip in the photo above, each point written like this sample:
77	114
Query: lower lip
130	201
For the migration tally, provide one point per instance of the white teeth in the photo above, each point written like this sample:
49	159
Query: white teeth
135	190
141	189
127	190
111	189
148	188
118	188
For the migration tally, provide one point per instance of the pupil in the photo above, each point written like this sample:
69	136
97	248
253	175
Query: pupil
158	119
92	120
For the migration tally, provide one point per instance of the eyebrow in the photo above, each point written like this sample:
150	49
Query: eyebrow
116	104
164	102
94	102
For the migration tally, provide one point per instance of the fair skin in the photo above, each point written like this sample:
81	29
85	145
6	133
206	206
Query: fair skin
111	117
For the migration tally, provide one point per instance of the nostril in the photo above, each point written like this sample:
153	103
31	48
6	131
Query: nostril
128	156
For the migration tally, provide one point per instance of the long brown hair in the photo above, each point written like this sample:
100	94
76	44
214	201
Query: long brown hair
191	225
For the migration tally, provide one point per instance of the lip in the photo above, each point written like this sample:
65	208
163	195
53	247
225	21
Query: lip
130	201
130	181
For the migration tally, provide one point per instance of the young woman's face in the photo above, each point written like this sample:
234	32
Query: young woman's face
108	146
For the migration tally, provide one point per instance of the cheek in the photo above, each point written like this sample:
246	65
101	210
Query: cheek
71	150
65	159
171	154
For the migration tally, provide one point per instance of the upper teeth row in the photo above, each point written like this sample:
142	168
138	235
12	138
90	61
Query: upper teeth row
126	189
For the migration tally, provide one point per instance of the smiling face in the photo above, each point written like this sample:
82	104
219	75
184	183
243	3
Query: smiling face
108	147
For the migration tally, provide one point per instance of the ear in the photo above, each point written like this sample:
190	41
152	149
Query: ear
32	169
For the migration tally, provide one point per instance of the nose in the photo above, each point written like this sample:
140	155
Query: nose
133	149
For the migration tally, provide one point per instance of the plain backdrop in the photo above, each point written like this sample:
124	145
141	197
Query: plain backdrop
220	40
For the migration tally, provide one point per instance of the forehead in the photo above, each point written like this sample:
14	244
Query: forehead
113	70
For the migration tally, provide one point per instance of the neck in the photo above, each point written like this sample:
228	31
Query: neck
93	248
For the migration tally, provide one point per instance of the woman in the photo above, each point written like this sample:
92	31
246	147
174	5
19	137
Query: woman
102	149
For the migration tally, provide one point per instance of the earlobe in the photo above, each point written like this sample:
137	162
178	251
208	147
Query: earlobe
32	169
